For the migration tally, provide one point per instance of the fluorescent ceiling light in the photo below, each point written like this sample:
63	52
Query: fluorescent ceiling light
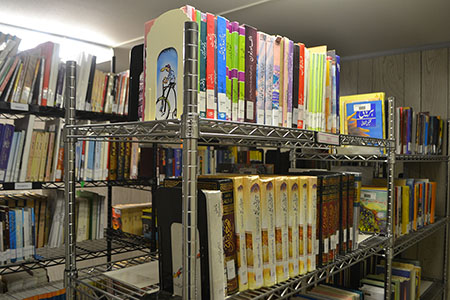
70	49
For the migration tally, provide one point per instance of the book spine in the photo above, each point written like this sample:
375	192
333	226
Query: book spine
276	82
49	155
178	161
97	170
234	70
223	101
250	74
211	105
293	222
268	232
12	235
202	65
269	81
5	149
302	225
301	87
47	52
60	84
295	82
113	161
229	85
242	68
13	153
281	229
328	87
260	77
127	161
333	96
60	164
289	68
121	161
338	80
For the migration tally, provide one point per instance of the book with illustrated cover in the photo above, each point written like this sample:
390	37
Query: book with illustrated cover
269	80
293	223
223	102
268	230
242	70
211	101
373	210
281	228
277	85
302	223
234	64
260	77
250	73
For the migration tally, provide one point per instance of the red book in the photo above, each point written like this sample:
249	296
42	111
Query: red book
211	107
46	52
301	88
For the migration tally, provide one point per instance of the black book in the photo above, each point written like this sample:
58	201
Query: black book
295	79
90	84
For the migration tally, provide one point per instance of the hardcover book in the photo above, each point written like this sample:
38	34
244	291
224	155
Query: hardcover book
269	80
260	77
223	102
250	73
268	230
211	101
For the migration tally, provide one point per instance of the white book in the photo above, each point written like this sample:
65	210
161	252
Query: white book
260	77
98	172
269	80
109	97
19	233
214	212
17	157
12	154
53	75
83	220
105	147
307	114
302	213
27	124
83	79
281	228
312	243
142	276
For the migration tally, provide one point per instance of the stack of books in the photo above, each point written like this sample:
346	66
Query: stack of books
37	76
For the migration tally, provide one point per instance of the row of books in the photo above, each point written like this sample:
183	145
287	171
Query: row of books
97	160
418	133
130	217
406	281
280	226
38	76
244	74
90	217
413	206
31	154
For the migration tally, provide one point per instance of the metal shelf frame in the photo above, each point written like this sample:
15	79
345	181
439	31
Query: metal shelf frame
192	131
142	184
369	157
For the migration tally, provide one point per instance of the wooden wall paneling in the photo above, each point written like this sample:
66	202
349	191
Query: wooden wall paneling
388	76
349	77
412	80
365	72
435	80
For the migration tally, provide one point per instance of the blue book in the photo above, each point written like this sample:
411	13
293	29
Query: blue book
90	161
223	104
33	232
177	153
8	132
12	235
13	152
78	149
365	118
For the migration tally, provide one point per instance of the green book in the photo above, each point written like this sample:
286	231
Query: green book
228	67
234	70
199	23
202	69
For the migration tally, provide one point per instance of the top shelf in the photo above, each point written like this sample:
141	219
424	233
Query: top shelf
215	132
10	110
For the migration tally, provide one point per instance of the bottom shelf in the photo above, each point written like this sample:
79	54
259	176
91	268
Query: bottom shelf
431	289
43	290
113	289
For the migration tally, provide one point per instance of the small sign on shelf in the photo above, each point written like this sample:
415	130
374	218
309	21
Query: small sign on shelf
328	138
19	106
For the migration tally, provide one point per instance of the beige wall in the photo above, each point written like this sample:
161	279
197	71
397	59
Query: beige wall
420	80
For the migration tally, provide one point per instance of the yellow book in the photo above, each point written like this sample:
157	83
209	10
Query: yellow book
238	194
252	225
293	198
302	223
44	155
405	209
31	155
281	228
34	174
312	249
268	230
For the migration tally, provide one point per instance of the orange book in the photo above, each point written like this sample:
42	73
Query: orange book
433	201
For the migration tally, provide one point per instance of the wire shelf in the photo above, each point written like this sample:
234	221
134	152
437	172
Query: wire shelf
435	290
121	242
142	184
404	242
93	284
290	287
369	157
214	132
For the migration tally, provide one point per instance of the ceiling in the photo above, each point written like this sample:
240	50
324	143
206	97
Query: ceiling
352	27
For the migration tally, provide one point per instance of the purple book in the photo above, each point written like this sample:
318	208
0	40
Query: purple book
8	131
250	74
289	90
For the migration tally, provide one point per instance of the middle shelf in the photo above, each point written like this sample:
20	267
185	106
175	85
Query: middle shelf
121	242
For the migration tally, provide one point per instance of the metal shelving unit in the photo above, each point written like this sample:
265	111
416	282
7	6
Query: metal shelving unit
142	184
89	249
191	131
436	290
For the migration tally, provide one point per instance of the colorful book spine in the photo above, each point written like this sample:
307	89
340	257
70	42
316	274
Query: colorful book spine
302	223
234	70
241	74
202	68
12	235
328	94
250	74
301	87
8	132
269	80
281	229
338	80
295	82
241	254
260	77
282	111
211	105
276	81
293	222
223	105
333	96
268	231
229	85
290	58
